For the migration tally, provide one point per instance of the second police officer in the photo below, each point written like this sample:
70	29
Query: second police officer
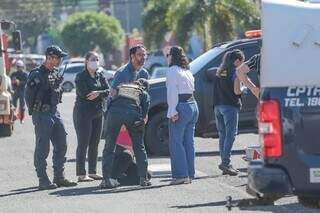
129	107
19	80
43	94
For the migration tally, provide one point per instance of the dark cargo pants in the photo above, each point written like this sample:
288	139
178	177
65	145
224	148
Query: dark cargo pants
88	127
115	119
18	95
49	127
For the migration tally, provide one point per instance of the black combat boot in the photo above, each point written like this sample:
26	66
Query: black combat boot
63	182
228	170
46	184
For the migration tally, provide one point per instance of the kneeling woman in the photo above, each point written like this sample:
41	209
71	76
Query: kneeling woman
91	89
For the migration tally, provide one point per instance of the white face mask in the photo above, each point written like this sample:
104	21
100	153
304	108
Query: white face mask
93	65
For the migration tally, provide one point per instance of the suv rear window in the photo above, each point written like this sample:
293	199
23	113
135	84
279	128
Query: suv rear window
76	69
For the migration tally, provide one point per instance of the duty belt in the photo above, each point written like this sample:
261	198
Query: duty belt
45	108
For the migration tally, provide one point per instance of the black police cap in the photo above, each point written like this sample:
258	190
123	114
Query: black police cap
55	50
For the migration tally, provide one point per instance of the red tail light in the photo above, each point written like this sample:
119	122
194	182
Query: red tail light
270	128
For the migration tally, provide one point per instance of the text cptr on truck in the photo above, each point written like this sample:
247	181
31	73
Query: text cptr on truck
7	32
289	109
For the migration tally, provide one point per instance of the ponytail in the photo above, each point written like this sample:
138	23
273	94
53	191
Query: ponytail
228	62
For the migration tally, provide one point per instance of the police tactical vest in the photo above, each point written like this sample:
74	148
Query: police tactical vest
130	91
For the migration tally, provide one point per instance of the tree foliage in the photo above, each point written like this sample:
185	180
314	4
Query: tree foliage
154	22
31	18
86	31
214	20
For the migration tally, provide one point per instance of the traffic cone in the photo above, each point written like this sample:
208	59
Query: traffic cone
124	138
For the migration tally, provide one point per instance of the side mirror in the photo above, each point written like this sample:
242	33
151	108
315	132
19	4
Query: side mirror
211	73
16	40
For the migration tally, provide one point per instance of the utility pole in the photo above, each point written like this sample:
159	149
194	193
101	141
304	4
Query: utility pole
127	16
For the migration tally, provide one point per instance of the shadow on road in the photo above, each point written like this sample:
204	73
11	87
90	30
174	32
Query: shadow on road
244	205
20	191
217	153
198	154
97	190
195	179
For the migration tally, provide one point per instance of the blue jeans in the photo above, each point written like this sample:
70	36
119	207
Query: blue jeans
227	118
181	140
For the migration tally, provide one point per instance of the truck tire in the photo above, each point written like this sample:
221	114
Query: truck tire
157	134
311	202
6	130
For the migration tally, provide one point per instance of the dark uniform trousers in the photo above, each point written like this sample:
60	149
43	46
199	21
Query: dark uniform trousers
115	119
49	127
88	126
18	95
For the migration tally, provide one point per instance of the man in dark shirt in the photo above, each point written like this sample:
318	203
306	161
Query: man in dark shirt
19	80
43	93
133	70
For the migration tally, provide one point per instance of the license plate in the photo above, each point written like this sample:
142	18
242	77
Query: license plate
314	175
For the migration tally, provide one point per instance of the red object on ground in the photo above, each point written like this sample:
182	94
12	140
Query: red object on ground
124	138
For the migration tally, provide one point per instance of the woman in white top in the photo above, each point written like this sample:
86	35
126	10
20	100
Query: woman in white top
183	114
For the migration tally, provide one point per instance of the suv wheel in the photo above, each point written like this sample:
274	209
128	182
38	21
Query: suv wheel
311	202
157	134
67	87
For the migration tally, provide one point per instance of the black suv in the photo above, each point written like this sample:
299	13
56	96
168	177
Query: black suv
203	68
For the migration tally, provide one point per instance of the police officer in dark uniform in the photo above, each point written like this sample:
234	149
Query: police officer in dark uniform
19	80
129	107
43	93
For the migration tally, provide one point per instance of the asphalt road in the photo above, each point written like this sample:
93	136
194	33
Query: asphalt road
18	182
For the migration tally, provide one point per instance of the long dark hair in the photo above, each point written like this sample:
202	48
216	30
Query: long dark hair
178	57
228	61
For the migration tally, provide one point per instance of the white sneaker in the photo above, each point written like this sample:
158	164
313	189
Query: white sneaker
177	181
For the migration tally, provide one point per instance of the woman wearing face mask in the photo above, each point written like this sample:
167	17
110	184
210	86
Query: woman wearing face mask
91	90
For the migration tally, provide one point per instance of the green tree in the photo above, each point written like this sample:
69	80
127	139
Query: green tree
33	17
154	22
86	31
214	20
